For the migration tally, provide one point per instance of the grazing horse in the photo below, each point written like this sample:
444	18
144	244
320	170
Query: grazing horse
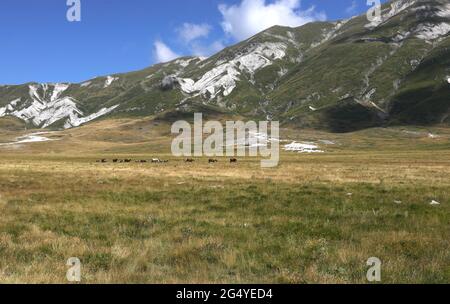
233	160
211	161
156	160
128	160
189	160
104	161
143	161
115	160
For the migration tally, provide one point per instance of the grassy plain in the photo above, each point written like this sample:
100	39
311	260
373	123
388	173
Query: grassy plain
313	219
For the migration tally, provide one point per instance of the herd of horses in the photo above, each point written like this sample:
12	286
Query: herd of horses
159	161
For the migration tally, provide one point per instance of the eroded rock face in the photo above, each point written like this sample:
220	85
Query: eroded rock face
168	83
223	78
46	105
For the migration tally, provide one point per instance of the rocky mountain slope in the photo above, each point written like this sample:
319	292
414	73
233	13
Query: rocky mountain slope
341	76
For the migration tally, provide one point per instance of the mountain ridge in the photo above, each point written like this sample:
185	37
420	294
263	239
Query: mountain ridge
341	76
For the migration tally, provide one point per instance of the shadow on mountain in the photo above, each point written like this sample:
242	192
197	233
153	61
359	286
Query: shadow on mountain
187	111
421	106
350	116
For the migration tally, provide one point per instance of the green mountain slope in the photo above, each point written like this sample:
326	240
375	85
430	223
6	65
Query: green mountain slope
340	76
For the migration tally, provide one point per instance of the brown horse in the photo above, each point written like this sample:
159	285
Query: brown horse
212	161
233	160
189	160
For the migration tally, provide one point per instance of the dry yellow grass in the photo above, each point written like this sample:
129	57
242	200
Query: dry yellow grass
224	223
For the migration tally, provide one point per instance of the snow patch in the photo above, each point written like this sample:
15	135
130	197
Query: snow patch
14	102
29	138
109	80
184	62
75	121
302	148
444	11
327	142
58	90
223	78
434	203
327	35
430	31
396	8
33	91
282	72
252	140
401	36
44	109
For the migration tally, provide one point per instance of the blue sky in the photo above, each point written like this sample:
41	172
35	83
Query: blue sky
39	44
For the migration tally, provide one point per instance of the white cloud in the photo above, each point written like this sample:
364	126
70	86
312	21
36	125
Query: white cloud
190	35
352	8
163	53
199	49
253	16
189	31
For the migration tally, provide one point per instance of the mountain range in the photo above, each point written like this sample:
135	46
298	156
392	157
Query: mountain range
340	76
